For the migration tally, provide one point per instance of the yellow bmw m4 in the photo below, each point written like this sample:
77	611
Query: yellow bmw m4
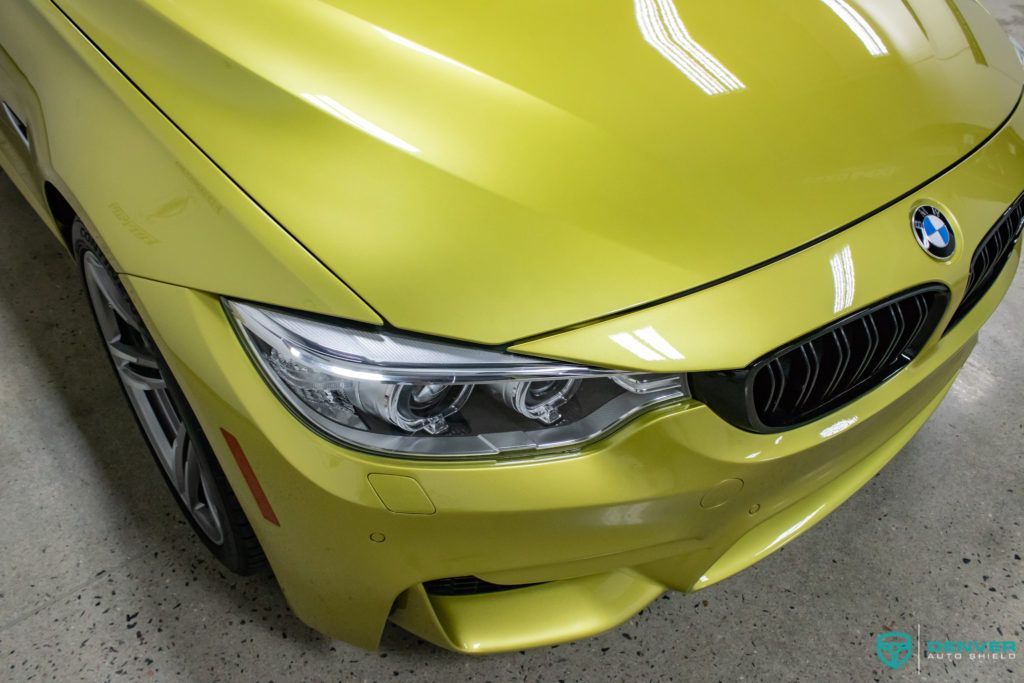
499	319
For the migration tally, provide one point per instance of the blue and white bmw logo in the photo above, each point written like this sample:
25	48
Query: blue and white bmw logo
933	232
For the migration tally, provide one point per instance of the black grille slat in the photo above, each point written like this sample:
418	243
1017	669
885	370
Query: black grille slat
847	358
989	258
886	357
810	358
779	373
901	326
999	241
984	261
920	313
767	383
828	368
871	333
836	363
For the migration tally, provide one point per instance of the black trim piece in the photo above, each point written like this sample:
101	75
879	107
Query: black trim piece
468	585
828	368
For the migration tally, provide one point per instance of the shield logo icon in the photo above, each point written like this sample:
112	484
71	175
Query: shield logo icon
894	648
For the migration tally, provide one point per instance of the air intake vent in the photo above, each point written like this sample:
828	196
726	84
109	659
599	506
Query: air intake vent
826	369
467	585
990	257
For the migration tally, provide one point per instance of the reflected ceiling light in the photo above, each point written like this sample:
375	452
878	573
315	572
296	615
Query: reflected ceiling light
635	346
663	29
647	344
790	532
843	278
332	107
859	25
838	427
416	47
658	343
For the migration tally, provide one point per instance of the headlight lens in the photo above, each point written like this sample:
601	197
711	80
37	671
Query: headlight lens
397	394
1018	49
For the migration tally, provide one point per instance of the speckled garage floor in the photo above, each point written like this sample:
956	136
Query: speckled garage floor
100	578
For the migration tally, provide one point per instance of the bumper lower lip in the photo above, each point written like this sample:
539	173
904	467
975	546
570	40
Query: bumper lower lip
604	530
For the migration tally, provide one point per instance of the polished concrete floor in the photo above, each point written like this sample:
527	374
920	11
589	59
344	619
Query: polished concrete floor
100	578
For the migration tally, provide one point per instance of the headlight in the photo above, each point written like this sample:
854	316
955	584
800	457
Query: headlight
397	394
1018	49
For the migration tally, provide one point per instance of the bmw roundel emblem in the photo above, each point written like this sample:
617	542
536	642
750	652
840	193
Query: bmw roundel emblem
933	232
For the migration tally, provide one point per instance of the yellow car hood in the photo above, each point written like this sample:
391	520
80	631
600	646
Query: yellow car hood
495	170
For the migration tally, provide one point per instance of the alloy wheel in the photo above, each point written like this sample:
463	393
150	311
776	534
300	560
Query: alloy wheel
143	376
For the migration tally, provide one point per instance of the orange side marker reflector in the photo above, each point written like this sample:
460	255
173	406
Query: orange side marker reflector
250	477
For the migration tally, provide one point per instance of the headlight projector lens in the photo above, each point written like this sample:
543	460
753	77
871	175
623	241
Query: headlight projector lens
538	400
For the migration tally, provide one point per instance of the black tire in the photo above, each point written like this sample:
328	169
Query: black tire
232	539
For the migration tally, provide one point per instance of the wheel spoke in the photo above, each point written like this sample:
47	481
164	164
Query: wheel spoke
140	380
199	496
179	452
133	354
114	298
191	492
137	365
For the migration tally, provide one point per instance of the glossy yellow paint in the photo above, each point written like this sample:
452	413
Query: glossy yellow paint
726	327
158	205
420	149
467	187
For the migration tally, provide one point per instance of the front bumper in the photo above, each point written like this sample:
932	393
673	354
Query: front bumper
678	499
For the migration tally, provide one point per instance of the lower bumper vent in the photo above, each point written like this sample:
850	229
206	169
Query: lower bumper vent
467	585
